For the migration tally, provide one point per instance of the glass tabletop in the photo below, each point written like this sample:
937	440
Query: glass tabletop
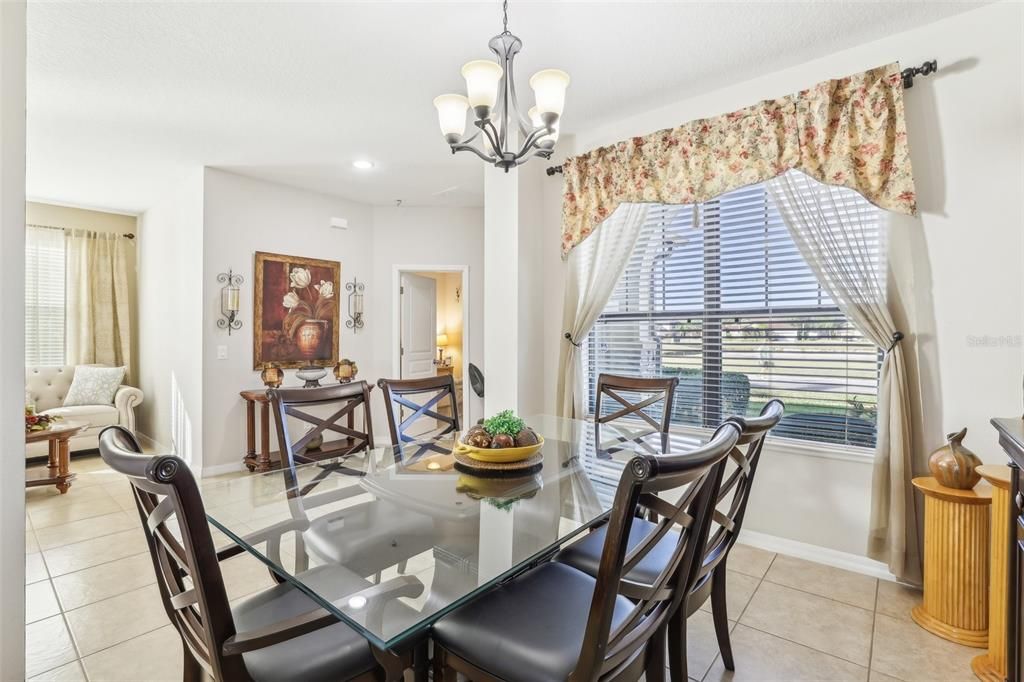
391	539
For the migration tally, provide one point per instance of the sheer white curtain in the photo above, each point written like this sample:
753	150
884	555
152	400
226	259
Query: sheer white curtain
595	267
98	308
839	235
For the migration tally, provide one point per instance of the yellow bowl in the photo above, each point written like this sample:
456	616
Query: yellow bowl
499	455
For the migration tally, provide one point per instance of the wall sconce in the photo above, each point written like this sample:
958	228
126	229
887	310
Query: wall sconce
355	304
230	300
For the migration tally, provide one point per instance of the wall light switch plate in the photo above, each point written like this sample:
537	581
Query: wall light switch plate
222	352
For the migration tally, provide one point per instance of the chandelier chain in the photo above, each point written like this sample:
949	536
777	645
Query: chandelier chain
504	16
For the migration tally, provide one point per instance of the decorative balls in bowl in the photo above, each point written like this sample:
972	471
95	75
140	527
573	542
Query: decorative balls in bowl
502	438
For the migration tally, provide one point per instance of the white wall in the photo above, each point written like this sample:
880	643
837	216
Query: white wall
421	238
170	257
242	216
961	261
12	340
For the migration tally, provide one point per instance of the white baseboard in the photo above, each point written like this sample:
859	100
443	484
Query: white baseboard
821	555
229	468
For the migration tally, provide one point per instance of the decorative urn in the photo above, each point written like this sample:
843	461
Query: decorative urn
952	465
272	375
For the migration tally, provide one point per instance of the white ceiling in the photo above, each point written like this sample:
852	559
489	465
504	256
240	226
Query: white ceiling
122	97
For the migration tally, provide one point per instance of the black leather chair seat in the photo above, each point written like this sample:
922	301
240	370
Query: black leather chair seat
332	653
370	537
529	630
585	554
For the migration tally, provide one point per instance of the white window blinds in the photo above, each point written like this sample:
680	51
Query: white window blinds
44	296
718	295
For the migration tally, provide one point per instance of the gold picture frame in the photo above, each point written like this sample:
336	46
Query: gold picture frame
296	311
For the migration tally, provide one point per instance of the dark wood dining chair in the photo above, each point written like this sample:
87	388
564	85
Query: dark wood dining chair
279	633
649	391
733	493
341	402
555	622
422	398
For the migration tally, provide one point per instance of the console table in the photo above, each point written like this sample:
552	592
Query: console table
265	459
1011	438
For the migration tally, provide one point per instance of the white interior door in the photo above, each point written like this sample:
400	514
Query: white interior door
419	326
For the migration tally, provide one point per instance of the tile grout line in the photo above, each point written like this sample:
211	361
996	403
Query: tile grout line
815	594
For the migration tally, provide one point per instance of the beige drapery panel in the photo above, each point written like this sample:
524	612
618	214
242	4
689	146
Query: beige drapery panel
594	270
840	239
98	310
847	132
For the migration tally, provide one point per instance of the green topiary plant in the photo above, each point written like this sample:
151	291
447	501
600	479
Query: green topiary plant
505	422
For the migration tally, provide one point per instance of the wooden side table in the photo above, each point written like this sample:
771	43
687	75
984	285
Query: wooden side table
991	666
956	562
58	463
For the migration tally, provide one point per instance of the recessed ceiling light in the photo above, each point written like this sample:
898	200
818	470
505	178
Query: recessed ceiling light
363	164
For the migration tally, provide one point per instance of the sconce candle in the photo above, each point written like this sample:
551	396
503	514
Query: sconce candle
230	300
355	304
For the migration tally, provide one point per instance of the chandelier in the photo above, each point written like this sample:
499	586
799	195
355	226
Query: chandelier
491	90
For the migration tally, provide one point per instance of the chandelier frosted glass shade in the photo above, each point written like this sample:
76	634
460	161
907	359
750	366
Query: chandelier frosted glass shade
482	80
451	112
549	90
505	137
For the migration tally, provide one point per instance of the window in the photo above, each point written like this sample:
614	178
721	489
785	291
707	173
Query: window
44	296
719	295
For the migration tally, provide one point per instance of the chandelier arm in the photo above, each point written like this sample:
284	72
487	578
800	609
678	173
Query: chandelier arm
493	135
531	140
463	147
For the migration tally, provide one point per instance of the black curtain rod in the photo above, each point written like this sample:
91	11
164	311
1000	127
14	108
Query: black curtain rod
926	69
126	235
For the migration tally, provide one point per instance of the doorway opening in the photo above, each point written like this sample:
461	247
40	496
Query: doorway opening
431	328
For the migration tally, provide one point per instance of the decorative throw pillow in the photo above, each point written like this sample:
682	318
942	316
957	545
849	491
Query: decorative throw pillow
94	385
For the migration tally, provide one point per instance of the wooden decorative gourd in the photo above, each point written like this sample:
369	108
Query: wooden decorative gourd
952	465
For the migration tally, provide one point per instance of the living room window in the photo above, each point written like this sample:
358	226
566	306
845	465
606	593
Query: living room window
719	295
44	296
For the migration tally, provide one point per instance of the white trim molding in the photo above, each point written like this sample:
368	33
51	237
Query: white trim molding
821	555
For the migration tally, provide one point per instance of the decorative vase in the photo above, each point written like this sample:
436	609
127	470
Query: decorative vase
272	376
308	337
345	371
952	465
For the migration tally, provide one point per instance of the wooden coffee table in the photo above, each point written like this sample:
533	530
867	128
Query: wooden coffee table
58	465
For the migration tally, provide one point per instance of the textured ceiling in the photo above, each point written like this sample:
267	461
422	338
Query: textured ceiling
122	97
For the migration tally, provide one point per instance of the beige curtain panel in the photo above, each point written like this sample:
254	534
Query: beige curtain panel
843	243
98	310
847	132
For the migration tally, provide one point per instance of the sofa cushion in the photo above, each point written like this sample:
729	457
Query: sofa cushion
94	385
45	387
95	416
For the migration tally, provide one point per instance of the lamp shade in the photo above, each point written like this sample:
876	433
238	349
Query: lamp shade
482	78
451	113
549	90
545	141
442	340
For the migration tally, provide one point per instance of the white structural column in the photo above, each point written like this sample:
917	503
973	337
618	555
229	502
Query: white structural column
501	289
12	340
514	289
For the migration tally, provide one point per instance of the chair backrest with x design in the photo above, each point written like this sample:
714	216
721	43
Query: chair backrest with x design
698	473
422	398
187	569
341	402
649	391
737	482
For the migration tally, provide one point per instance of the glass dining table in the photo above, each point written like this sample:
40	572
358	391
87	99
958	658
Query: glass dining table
391	539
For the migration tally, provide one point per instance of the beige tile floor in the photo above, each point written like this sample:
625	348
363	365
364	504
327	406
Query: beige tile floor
93	611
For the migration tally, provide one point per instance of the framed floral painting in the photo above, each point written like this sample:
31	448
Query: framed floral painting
296	311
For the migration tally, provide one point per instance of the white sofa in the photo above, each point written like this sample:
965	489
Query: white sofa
47	386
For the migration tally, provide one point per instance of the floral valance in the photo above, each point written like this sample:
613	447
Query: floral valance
850	132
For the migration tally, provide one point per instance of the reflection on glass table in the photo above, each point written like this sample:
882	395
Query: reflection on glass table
391	539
